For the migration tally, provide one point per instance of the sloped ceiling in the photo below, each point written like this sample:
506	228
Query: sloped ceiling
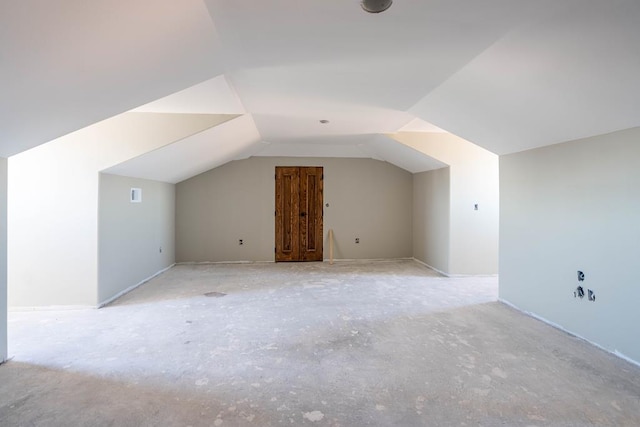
507	75
567	74
213	96
231	140
67	64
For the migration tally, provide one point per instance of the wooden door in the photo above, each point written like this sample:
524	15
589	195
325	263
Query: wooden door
299	213
287	213
311	179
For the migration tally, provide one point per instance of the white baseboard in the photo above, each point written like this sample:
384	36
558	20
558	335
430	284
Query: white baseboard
89	307
129	289
453	276
52	308
431	267
222	262
271	262
560	328
366	259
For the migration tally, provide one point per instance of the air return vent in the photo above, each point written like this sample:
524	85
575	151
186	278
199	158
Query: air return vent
136	195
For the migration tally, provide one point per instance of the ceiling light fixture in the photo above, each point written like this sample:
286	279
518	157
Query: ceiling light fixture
376	6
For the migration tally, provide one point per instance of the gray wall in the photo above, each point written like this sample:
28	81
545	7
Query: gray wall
568	207
131	234
473	179
431	203
54	198
3	259
367	198
473	234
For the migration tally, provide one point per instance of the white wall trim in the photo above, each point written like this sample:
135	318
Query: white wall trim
453	276
222	262
272	262
367	259
129	289
52	308
461	276
556	326
431	267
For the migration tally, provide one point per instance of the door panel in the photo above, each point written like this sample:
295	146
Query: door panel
299	213
287	214
311	221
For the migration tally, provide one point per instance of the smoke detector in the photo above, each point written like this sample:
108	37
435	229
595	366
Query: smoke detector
376	6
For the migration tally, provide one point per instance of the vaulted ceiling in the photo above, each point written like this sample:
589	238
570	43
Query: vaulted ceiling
507	75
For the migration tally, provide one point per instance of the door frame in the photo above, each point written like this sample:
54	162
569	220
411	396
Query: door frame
299	198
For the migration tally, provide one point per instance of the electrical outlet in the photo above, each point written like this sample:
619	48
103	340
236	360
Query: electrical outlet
357	240
240	242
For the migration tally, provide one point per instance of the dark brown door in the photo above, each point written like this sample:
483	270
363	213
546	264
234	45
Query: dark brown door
299	213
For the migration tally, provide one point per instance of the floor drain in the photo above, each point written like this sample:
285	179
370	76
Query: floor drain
214	294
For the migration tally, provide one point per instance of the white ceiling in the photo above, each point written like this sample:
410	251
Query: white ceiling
507	75
67	64
571	73
213	96
235	139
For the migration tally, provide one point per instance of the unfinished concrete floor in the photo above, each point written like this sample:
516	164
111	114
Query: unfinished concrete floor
353	344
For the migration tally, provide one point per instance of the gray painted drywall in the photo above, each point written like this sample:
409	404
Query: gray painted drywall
568	207
473	179
431	193
131	234
53	204
3	259
367	198
473	234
